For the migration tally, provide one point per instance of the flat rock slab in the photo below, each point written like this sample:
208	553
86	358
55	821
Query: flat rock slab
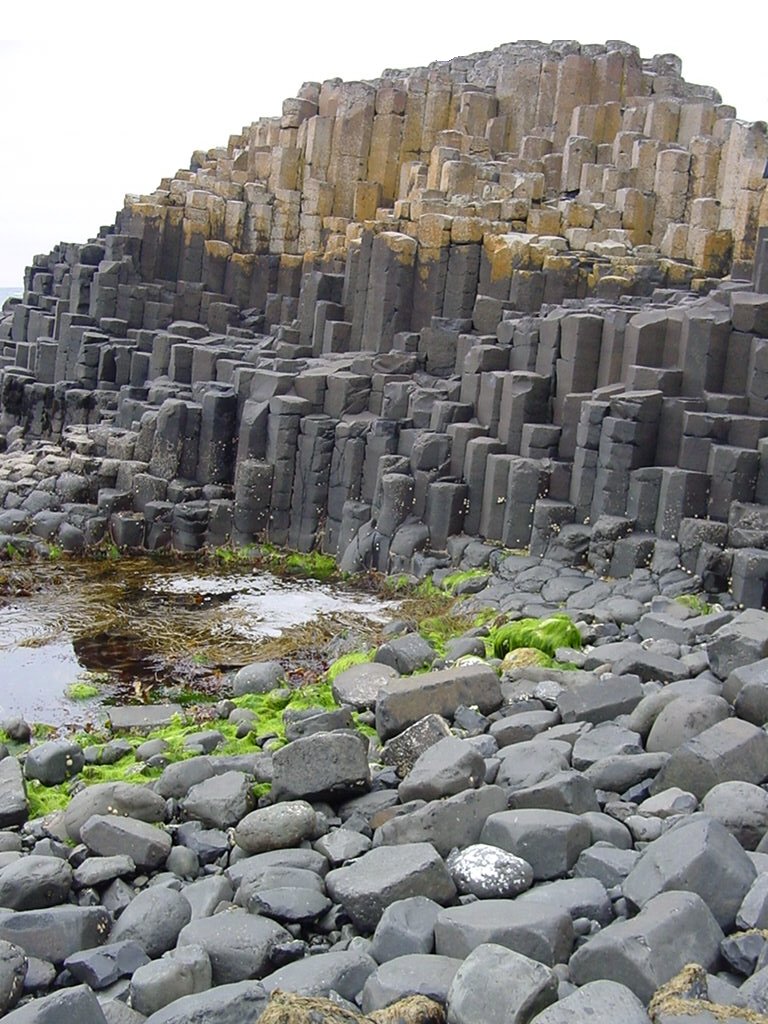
239	944
321	765
407	699
73	1004
600	700
56	933
143	716
110	835
416	974
540	931
672	930
225	1004
596	1001
13	797
359	685
550	841
343	972
454	822
385	875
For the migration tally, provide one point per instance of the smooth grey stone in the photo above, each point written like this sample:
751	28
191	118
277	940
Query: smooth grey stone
386	874
342	844
55	933
596	1001
277	878
455	821
619	772
538	930
259	677
359	685
289	905
179	973
406	653
225	1004
519	728
732	750
102	966
413	974
344	972
71	1004
603	740
645	713
54	761
109	835
205	894
605	863
183	862
672	930
178	778
444	769
221	801
13	971
600	700
95	871
496	985
738	643
488	872
275	827
684	718
14	809
606	829
550	841
753	912
407	926
239	944
753	994
249	867
526	763
117	798
31	883
407	700
564	791
154	919
579	897
322	765
742	808
627	658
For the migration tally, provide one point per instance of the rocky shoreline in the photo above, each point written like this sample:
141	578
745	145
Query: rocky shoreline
556	832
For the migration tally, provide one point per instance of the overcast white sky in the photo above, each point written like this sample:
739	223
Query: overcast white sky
97	100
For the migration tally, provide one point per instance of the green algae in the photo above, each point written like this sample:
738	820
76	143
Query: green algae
44	800
437	630
82	691
696	603
544	634
455	579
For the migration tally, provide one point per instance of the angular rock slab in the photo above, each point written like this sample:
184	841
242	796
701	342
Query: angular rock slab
550	841
731	751
13	797
672	930
386	874
596	1001
495	985
698	855
416	974
444	769
109	835
738	643
112	798
321	765
72	1004
33	882
13	970
359	685
407	699
239	944
153	919
405	927
344	972
536	930
56	933
225	1004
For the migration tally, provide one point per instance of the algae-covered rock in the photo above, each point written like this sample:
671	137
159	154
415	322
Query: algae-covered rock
286	1008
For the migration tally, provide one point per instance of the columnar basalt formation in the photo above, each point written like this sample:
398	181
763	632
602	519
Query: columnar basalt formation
519	295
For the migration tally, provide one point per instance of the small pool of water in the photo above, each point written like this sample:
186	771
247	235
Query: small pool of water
143	630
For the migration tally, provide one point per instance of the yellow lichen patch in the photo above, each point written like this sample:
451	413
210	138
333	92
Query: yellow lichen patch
685	995
524	657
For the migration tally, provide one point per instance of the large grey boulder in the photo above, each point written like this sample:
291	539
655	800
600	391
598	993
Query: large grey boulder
444	769
344	972
596	1001
672	930
109	835
13	797
579	897
385	875
538	930
102	966
221	801
732	750
359	685
742	808
13	970
604	740
275	827
322	765
496	985
33	882
118	798
645	713
698	855
455	821
414	974
258	677
55	933
531	761
406	654
225	1004
684	718
239	944
599	700
740	642
550	841
179	973
407	926
568	790
154	919
408	699
54	761
72	1004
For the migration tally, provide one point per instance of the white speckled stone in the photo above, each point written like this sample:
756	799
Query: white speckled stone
489	872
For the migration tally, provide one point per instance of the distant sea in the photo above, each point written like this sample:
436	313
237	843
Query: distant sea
6	293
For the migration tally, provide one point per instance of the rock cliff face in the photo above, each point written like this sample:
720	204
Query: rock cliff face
482	298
